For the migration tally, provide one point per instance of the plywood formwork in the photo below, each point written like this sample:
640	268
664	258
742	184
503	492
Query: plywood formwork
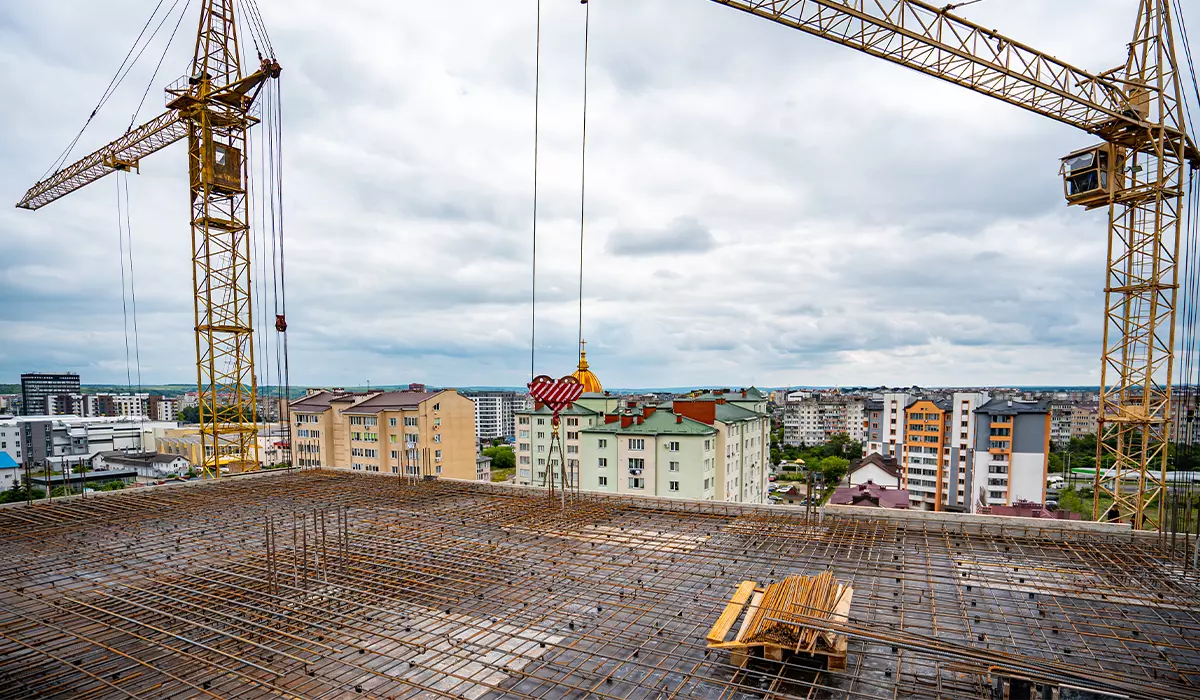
339	585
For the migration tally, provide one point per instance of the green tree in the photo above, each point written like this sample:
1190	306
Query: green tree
80	468
1056	463
832	469
190	414
502	457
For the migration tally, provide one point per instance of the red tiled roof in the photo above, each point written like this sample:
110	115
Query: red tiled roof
871	495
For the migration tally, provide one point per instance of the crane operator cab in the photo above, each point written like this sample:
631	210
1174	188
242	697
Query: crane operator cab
222	164
1088	176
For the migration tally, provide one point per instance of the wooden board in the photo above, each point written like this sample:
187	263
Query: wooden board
720	628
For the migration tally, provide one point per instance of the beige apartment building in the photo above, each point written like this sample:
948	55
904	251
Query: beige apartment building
415	433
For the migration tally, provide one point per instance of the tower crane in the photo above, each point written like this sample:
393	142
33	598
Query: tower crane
211	108
1136	172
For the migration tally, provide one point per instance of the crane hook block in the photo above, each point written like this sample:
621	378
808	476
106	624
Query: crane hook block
280	323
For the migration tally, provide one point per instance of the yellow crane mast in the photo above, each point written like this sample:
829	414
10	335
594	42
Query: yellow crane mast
211	108
1137	173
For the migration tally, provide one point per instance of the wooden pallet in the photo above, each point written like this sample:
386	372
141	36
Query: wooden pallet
748	599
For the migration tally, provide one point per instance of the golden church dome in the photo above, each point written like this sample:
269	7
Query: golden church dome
591	384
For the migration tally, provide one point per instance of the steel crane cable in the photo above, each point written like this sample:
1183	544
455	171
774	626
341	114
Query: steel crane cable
537	84
154	75
128	303
1187	52
113	84
587	16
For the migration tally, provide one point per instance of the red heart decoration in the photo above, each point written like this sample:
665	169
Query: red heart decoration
557	394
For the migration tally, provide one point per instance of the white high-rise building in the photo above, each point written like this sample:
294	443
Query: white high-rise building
494	413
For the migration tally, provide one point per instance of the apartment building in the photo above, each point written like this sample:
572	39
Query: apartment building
1085	419
651	453
710	445
415	433
743	441
935	456
885	424
1012	451
814	418
536	466
495	413
1061	413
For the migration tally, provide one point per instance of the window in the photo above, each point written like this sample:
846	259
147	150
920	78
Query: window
410	421
356	420
437	437
572	449
636	482
603	481
525	473
523	447
637	443
437	422
541	476
541	461
572	434
602	443
673	446
572	421
707	445
523	420
541	421
392	422
541	435
541	448
602	462
370	437
524	434
674	467
437	455
637	463
673	485
370	421
437	407
524	459
395	454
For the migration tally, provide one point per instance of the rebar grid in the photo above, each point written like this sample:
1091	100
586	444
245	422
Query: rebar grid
332	585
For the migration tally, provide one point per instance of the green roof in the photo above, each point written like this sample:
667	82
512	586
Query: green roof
660	422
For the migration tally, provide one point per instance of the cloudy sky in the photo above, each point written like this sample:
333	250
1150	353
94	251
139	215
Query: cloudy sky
762	206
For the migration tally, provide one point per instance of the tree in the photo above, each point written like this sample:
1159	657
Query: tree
80	468
1056	463
502	457
832	469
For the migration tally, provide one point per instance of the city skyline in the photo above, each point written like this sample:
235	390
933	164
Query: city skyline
715	254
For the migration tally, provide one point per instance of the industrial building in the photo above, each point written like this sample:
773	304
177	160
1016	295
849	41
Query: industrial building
340	584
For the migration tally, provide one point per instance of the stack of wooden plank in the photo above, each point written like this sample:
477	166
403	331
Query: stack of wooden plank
793	615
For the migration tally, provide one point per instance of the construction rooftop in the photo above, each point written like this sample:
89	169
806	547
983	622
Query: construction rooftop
336	585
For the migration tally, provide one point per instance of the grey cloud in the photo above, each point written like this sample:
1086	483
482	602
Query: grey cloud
875	226
683	236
